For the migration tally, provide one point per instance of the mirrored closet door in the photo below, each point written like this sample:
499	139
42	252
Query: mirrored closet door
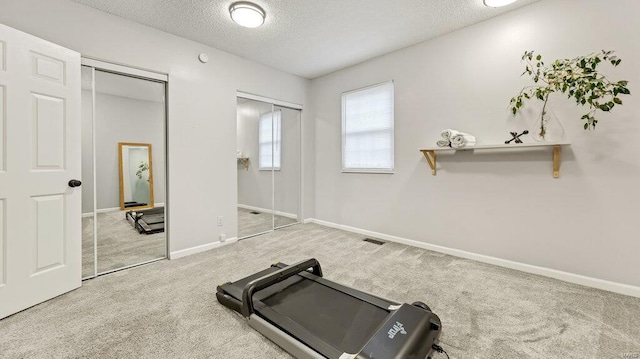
269	165
123	157
286	178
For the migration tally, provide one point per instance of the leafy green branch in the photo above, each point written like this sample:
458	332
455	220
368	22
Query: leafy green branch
578	78
142	168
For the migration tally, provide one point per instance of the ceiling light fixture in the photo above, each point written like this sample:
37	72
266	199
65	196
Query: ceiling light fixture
247	14
498	3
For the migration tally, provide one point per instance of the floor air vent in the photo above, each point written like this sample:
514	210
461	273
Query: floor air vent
374	241
254	212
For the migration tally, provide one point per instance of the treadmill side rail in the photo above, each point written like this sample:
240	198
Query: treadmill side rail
282	339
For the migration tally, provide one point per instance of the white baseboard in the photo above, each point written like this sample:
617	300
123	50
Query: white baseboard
107	210
615	287
114	209
266	210
102	210
202	248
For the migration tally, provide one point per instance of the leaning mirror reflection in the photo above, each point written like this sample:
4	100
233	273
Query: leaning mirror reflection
136	176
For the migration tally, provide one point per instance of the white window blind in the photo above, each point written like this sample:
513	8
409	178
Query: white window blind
269	141
367	129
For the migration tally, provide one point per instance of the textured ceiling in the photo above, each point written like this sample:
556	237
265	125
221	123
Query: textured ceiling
308	38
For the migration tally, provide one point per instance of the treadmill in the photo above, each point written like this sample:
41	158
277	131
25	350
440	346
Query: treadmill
312	317
147	221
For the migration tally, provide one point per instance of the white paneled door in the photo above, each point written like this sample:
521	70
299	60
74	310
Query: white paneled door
40	205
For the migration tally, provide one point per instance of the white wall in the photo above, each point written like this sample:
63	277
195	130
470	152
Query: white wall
121	119
202	103
500	204
254	185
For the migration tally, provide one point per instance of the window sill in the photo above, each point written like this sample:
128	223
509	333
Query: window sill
367	170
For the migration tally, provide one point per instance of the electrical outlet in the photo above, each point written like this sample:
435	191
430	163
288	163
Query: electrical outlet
220	221
223	237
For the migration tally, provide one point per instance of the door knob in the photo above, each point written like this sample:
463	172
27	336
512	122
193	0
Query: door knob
74	183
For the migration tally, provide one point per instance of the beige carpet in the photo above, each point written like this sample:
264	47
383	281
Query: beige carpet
119	245
250	223
168	309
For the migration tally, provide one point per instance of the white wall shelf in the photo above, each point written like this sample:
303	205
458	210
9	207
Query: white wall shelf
245	162
430	152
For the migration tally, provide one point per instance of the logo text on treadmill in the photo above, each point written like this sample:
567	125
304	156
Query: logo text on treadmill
397	328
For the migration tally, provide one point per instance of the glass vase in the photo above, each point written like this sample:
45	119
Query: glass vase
546	127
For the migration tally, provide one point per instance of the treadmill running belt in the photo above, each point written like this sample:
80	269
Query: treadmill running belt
341	320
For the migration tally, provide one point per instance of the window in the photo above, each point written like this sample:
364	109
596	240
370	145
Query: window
367	129
269	141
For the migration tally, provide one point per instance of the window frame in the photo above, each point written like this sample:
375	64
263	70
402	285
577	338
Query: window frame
270	168
392	129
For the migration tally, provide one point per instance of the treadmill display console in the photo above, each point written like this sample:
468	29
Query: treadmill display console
397	328
407	333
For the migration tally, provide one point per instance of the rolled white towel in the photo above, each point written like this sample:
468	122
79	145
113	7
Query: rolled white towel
448	134
458	141
444	143
462	140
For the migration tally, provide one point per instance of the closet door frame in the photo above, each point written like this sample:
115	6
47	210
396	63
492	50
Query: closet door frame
142	74
292	106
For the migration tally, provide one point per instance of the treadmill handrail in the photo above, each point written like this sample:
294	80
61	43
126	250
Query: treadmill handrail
273	278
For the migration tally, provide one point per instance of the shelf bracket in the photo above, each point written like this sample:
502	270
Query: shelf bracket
430	155
245	163
556	161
